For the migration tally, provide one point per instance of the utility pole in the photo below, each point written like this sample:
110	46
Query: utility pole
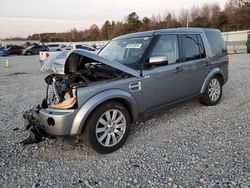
187	19
238	15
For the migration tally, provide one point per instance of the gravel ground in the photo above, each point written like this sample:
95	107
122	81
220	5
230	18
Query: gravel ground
188	146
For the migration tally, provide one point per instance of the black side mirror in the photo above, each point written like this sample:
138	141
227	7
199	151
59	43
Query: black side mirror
157	61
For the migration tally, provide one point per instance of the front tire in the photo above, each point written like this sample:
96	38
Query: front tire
213	92
108	127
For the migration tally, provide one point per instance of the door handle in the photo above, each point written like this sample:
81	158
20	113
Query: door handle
177	70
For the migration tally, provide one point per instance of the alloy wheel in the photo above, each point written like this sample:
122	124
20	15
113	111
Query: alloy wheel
110	127
214	89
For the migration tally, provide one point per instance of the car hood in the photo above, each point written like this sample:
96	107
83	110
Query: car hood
58	65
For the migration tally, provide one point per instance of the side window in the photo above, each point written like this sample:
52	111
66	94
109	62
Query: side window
192	47
53	45
85	48
216	42
167	46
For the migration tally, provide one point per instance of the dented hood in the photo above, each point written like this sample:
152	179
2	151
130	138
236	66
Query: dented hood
58	66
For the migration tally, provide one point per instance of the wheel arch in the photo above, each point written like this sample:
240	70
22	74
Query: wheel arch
109	95
211	74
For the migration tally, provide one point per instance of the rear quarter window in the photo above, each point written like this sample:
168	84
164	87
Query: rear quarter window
216	42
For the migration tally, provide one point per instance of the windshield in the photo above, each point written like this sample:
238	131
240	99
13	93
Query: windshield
126	51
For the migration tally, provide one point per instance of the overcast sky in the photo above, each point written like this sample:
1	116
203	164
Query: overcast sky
24	17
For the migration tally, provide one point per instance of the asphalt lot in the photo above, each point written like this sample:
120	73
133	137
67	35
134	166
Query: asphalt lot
188	146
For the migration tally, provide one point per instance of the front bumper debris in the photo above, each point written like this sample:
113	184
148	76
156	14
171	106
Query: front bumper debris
34	126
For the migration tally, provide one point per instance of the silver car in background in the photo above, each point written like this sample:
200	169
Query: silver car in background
133	77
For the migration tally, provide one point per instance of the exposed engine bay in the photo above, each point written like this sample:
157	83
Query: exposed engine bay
79	71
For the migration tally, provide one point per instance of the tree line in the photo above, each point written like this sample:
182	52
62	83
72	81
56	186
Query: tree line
234	16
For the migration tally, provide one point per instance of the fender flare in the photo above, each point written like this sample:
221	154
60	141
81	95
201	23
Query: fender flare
211	74
96	100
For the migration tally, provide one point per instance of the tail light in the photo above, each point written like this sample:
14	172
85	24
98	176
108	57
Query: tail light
46	55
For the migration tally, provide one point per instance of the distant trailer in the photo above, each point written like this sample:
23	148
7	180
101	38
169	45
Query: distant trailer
236	41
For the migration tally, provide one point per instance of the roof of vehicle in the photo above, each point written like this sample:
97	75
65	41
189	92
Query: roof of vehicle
36	45
15	46
158	32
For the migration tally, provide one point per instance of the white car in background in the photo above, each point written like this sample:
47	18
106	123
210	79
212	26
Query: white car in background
57	59
60	56
56	47
81	46
52	56
49	55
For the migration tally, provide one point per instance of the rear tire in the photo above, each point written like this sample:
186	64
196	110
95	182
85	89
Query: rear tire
108	127
213	92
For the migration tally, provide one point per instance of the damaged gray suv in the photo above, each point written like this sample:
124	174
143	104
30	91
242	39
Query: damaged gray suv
131	78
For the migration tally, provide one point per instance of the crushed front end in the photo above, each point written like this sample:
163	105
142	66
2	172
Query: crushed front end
55	116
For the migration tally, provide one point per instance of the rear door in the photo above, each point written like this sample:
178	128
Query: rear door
12	50
16	50
41	49
35	50
195	63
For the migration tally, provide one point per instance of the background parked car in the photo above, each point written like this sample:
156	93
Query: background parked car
34	50
81	46
11	50
57	58
3	51
56	47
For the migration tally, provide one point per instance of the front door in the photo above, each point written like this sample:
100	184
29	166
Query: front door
163	85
